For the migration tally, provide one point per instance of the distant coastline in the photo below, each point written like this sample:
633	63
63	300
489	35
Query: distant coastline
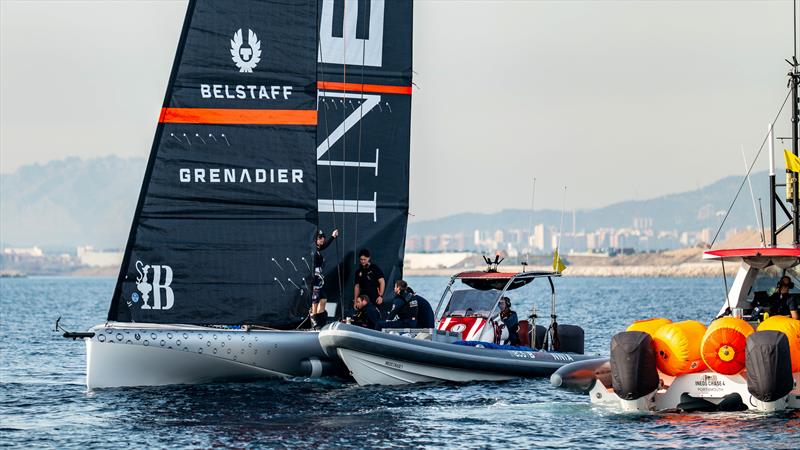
686	270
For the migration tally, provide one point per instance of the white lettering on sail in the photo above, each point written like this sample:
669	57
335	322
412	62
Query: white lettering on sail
297	176
360	52
370	101
245	92
229	175
261	175
156	287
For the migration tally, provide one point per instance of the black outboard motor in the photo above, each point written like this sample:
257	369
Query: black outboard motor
570	338
769	365
633	365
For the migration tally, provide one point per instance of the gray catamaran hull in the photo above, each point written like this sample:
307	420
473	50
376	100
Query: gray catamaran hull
123	354
380	358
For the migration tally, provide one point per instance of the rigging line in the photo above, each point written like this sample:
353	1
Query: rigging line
725	280
759	225
530	221
561	227
739	191
360	127
333	196
344	116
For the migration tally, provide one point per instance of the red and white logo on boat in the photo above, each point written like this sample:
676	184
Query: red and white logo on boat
469	327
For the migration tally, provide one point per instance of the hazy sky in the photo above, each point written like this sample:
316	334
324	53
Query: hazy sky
617	100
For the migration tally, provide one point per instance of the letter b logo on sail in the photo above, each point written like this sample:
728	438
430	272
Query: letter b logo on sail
160	285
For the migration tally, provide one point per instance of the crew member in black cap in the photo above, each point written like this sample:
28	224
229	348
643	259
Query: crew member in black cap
370	281
319	317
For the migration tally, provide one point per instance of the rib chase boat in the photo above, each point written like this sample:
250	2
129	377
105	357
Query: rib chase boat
466	342
260	143
747	358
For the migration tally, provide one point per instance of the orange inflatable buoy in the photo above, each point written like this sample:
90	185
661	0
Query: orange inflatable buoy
723	345
791	328
649	326
678	347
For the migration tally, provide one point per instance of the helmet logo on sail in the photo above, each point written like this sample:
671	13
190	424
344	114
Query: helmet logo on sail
246	55
161	281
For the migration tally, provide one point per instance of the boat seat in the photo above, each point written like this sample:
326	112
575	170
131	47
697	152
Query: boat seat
524	333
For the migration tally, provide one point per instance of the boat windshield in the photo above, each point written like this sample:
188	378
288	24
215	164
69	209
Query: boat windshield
465	301
462	300
767	280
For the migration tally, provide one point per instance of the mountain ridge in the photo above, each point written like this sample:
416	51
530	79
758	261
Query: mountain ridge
72	201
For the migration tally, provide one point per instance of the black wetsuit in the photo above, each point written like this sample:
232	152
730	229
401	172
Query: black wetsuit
511	322
319	277
367	317
319	261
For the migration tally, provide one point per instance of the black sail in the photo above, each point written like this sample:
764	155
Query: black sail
364	135
223	230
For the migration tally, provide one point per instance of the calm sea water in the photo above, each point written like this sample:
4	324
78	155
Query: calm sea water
44	403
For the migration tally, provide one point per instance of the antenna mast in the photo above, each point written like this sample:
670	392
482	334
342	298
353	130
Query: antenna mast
794	78
791	177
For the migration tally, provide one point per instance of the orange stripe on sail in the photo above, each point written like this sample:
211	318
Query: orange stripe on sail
358	87
238	116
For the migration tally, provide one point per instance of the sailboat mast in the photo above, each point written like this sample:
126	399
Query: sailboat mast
795	78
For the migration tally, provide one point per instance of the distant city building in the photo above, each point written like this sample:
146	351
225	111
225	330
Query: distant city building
542	239
88	256
34	252
434	260
642	223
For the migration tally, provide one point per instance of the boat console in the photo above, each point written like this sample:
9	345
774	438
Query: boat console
470	306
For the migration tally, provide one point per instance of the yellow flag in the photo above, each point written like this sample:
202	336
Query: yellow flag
558	265
792	162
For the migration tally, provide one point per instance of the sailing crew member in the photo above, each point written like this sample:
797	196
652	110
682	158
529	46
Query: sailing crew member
782	302
319	317
404	308
425	314
370	281
510	321
366	314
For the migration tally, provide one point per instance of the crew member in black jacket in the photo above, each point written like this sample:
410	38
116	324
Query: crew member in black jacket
405	307
370	281
782	302
319	317
510	321
366	314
